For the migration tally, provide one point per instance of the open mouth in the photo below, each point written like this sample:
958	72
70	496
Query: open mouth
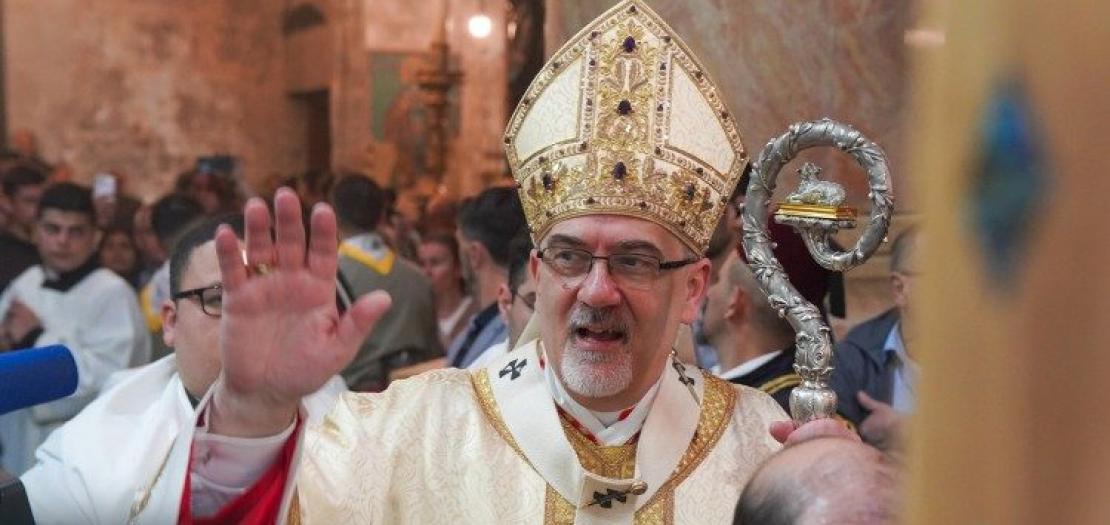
599	335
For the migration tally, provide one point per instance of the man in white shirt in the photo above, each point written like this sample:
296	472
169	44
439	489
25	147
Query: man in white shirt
70	300
121	460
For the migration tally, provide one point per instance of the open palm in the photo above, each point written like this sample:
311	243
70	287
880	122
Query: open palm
281	335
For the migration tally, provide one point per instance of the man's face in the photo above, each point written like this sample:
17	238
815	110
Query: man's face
516	308
439	265
604	337
117	253
718	299
193	334
25	205
65	239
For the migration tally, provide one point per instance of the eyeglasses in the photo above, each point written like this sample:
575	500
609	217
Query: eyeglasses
631	270
211	298
529	299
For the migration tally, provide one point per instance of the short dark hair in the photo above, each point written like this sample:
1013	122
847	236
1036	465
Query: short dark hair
172	214
67	196
194	237
492	219
19	176
520	250
358	202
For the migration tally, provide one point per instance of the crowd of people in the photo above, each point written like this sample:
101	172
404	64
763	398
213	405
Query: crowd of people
138	291
100	277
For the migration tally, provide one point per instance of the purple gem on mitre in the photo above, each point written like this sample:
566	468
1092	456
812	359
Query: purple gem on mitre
690	189
619	171
624	107
548	183
629	44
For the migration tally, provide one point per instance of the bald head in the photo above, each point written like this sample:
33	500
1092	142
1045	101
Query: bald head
828	480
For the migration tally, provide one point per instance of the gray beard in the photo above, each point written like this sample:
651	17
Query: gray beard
594	374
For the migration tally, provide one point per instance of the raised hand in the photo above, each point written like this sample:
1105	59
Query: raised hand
281	336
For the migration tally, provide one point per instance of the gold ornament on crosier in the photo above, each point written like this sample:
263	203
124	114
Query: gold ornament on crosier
624	120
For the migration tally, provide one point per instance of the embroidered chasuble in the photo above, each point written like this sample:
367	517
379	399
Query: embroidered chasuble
456	446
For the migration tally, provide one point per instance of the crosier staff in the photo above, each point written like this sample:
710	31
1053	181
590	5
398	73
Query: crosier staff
815	210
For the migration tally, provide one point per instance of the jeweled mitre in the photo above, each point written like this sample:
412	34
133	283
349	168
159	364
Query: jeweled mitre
624	120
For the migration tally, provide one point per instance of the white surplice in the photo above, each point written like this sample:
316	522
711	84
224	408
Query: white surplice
123	458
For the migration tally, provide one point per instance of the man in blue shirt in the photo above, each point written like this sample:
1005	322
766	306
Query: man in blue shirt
875	374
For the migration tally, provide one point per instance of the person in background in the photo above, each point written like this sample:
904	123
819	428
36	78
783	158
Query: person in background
407	334
486	226
439	259
118	253
754	344
875	374
516	299
170	216
825	480
22	187
67	299
91	469
151	254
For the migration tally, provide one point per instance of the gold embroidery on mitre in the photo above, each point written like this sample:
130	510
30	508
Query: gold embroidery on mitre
597	132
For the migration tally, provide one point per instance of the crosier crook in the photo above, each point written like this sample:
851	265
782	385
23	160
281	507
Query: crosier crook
812	399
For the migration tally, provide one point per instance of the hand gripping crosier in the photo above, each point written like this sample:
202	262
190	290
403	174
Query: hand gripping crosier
815	212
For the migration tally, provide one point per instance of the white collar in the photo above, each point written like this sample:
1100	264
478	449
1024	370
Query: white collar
370	243
607	427
748	366
528	408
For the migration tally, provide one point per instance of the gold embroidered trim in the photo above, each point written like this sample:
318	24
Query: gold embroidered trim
716	413
621	159
484	391
781	382
294	516
617	462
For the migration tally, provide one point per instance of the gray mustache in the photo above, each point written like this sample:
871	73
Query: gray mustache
598	319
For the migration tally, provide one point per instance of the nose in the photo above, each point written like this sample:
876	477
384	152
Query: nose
598	289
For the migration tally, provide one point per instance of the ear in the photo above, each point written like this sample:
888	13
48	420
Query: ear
697	282
169	322
476	254
738	304
899	289
504	301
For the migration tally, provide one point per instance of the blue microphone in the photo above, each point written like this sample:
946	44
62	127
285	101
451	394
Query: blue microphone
36	375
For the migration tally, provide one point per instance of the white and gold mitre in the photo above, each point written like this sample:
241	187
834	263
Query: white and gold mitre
624	120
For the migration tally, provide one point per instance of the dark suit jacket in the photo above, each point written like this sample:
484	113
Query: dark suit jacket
776	378
861	364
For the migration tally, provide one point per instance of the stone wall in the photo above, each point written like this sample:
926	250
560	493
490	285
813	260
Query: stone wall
780	62
145	86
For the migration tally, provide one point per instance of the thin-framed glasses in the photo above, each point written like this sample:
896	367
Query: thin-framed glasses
209	297
631	270
529	299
